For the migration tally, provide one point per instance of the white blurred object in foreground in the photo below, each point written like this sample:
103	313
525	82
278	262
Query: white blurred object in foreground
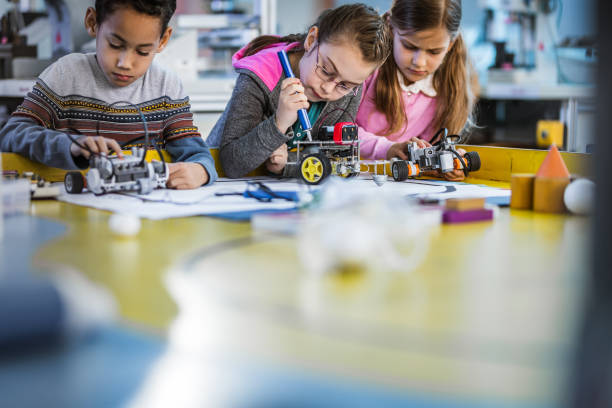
364	230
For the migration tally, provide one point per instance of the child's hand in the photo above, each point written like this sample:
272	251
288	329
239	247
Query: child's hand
278	160
185	175
399	150
291	99
97	144
456	175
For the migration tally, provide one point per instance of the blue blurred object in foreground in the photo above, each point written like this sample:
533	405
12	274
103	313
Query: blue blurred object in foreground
30	307
39	309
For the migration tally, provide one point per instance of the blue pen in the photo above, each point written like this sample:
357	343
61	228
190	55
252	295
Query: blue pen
302	114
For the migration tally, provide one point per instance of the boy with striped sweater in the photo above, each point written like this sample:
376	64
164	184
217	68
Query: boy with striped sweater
82	94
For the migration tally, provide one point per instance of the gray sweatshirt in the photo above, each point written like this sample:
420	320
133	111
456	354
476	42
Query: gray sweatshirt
246	133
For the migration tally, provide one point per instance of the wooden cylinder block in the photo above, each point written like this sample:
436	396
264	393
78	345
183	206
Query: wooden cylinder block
522	191
548	194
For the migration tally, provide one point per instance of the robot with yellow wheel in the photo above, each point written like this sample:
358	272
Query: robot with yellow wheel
336	153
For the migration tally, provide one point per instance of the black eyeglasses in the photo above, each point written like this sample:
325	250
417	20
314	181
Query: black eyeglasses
327	76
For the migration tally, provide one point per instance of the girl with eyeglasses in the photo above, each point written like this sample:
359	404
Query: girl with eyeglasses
424	86
331	61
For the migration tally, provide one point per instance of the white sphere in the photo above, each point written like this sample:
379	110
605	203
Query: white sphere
579	196
124	225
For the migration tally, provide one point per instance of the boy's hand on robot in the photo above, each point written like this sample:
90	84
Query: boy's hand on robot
399	149
96	144
278	160
184	176
291	99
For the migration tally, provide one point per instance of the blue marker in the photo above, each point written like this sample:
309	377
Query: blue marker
302	114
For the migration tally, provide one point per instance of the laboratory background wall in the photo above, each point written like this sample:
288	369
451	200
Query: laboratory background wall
514	122
77	18
578	17
506	122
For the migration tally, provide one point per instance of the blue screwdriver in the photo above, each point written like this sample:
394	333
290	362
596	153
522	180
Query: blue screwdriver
302	114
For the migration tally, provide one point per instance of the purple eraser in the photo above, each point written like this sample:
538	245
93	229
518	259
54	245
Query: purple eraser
454	216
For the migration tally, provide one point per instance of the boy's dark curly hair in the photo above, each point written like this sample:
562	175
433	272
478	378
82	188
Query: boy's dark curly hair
164	9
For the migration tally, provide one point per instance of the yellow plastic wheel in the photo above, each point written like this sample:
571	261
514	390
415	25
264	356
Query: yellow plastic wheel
312	169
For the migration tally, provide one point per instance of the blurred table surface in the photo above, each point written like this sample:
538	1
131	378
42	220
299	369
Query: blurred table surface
215	311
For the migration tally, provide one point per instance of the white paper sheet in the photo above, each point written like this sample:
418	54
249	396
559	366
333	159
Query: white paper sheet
434	189
167	203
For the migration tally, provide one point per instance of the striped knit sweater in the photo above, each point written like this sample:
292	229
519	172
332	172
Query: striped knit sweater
73	96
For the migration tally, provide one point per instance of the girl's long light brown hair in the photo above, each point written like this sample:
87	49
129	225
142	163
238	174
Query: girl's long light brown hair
356	23
452	80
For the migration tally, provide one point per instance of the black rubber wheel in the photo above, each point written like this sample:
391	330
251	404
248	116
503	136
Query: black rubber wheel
74	182
399	169
314	168
473	161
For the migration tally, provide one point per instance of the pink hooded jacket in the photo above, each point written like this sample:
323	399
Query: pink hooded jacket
264	64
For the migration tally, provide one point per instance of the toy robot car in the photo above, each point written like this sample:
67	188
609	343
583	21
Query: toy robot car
109	174
442	156
337	152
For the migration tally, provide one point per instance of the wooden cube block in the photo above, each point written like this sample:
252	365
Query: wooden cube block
548	194
522	191
464	204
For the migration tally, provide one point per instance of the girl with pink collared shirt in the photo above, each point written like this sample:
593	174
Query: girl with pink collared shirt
424	87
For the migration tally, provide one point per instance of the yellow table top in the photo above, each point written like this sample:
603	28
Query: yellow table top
490	313
496	299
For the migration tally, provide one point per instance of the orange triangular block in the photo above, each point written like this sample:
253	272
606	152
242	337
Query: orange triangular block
553	165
